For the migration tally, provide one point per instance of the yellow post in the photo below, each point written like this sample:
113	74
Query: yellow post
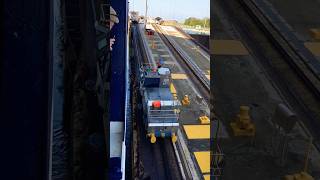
185	101
173	137
242	125
153	138
204	120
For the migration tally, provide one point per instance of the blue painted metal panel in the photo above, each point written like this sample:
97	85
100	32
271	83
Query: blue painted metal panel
118	77
115	170
118	62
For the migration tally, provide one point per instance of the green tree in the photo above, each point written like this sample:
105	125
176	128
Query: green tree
192	21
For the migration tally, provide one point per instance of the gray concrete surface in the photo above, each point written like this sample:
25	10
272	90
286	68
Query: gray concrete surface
301	15
242	80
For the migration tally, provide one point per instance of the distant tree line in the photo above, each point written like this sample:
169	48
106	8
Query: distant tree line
192	21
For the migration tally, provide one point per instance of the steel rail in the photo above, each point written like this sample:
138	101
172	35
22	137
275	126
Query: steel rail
165	154
197	74
189	61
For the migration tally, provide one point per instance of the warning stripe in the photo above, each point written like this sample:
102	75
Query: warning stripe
203	159
197	131
178	76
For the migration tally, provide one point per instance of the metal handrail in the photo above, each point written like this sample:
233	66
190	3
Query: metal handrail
146	47
217	158
162	114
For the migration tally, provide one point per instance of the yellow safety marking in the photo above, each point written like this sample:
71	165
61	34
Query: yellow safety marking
299	176
314	47
173	89
208	76
206	177
227	47
179	76
203	159
197	131
315	33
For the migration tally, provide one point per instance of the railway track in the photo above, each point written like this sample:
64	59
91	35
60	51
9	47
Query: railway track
158	160
192	39
196	75
201	83
292	77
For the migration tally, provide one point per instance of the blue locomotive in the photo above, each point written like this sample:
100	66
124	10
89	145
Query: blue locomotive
160	107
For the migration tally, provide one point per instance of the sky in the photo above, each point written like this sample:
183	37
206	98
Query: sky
172	9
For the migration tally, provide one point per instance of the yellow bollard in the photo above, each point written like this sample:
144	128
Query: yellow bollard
173	137
185	101
242	125
204	120
153	138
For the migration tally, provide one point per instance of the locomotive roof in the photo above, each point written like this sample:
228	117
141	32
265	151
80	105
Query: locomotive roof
159	94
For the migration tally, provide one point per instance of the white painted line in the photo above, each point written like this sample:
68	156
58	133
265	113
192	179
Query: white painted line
190	164
179	161
145	43
162	124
